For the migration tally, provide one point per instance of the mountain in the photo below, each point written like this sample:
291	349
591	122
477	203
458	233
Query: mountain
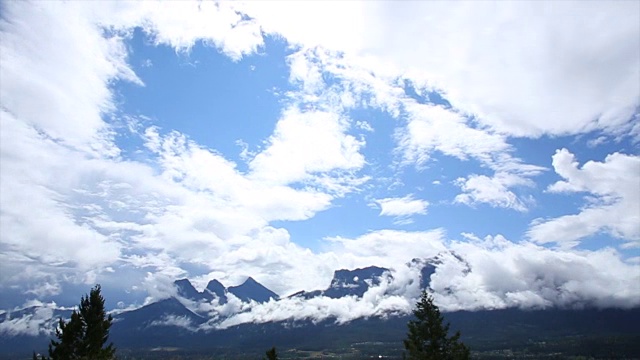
166	322
193	323
348	283
252	290
246	292
187	291
497	334
158	314
214	287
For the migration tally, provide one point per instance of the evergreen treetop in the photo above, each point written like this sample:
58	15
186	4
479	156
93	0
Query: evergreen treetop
86	333
272	354
428	335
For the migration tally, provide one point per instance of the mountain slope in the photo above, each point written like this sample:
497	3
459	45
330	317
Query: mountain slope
252	290
348	283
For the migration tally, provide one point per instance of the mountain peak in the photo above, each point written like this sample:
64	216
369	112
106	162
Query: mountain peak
187	291
250	289
183	282
251	280
216	288
354	282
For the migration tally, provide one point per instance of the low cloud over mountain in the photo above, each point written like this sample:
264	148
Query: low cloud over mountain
354	294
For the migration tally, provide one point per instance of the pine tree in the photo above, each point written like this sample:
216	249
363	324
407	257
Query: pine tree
428	335
86	333
272	354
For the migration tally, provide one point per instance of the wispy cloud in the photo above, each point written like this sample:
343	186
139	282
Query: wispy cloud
402	208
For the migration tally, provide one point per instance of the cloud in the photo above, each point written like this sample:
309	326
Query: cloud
173	320
523	69
505	274
60	87
38	322
436	128
388	248
184	209
54	237
432	128
489	273
305	144
181	25
611	206
402	207
492	190
429	129
342	310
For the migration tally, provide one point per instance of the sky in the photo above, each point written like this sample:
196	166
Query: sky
143	142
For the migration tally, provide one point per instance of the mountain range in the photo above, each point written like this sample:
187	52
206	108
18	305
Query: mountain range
250	317
248	291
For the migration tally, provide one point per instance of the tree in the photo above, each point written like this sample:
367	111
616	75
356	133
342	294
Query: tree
428	335
272	354
86	333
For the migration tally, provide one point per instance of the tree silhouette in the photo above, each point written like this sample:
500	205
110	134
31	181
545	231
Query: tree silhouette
428	335
86	333
272	354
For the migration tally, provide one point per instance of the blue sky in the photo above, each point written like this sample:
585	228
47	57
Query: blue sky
145	142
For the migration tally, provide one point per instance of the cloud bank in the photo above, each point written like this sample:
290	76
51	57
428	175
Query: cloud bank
179	208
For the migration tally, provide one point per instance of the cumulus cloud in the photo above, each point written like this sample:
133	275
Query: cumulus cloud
508	64
388	248
611	205
505	274
304	144
185	208
430	129
146	215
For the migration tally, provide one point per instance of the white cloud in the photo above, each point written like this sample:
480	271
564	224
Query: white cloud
612	206
388	248
505	274
238	195
432	128
489	273
402	207
429	129
33	323
188	206
182	24
492	190
173	320
55	236
522	68
58	81
304	144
